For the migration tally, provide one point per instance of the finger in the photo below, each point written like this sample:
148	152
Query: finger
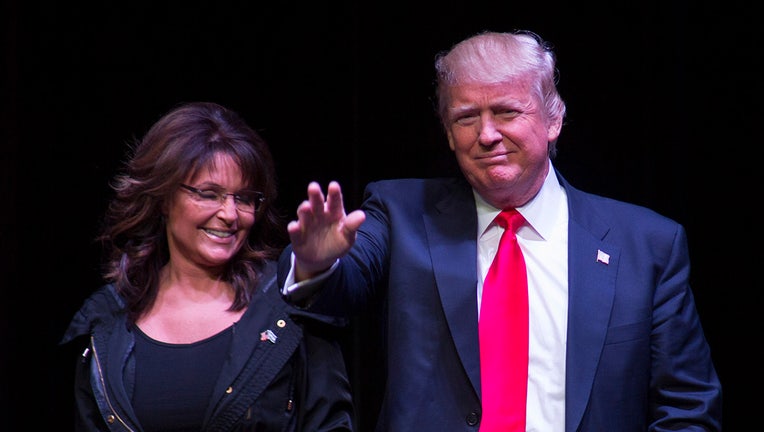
334	200
296	233
294	228
305	212
316	197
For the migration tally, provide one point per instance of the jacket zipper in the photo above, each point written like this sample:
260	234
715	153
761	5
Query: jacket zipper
103	385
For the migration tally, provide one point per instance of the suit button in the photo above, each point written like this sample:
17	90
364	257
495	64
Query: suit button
472	418
110	419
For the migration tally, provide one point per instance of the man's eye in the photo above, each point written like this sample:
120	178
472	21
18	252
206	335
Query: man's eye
507	114
466	120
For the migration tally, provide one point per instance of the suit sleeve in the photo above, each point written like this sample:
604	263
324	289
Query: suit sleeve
686	388
328	404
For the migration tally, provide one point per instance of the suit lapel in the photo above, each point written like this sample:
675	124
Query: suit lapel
592	269
452	243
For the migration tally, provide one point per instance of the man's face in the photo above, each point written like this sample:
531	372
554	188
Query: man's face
499	134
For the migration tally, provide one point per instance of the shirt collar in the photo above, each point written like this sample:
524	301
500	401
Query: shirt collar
542	212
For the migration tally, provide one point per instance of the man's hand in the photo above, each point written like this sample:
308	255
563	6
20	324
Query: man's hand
322	232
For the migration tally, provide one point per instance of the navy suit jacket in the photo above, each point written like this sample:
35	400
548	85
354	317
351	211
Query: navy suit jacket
637	357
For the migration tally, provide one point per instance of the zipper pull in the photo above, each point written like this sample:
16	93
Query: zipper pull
85	354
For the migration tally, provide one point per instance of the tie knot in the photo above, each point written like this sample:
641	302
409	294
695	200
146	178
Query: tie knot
510	219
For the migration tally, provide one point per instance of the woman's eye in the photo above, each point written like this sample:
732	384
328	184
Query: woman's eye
208	195
244	199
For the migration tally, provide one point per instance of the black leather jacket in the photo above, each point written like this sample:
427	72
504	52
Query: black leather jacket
294	379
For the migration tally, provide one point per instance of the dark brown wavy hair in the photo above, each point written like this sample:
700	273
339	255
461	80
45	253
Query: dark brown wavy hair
180	144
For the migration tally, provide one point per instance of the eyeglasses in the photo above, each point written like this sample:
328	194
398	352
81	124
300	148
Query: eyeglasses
248	201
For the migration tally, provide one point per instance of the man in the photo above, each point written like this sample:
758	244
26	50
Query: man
614	341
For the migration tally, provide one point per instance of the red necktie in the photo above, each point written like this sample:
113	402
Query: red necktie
503	330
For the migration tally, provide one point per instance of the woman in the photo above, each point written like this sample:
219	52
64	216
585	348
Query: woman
190	333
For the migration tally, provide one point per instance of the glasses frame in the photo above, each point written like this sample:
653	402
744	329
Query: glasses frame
221	197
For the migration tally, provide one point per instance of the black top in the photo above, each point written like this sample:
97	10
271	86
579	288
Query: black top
283	370
174	382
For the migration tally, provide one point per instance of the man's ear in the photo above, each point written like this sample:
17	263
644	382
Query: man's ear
450	137
553	129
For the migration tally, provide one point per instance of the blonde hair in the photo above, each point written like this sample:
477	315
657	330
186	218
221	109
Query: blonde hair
492	57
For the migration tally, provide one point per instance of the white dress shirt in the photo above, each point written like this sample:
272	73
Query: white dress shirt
544	242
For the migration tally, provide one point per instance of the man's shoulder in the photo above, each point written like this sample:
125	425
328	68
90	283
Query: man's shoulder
617	212
425	190
414	184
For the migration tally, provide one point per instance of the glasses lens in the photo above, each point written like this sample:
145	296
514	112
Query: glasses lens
246	201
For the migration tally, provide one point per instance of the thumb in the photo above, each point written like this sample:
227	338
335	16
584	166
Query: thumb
354	220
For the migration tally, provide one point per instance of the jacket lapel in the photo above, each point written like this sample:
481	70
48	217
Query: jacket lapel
592	270
452	243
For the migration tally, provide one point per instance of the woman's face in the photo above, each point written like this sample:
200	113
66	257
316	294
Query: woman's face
204	232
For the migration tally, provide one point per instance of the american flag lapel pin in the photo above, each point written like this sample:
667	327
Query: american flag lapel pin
602	257
268	335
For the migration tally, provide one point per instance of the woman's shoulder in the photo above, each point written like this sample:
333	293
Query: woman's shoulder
103	306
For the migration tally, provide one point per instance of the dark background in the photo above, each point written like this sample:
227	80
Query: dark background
664	110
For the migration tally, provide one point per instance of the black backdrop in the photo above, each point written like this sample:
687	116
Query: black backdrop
663	102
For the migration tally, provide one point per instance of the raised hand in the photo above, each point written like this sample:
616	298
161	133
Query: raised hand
322	232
